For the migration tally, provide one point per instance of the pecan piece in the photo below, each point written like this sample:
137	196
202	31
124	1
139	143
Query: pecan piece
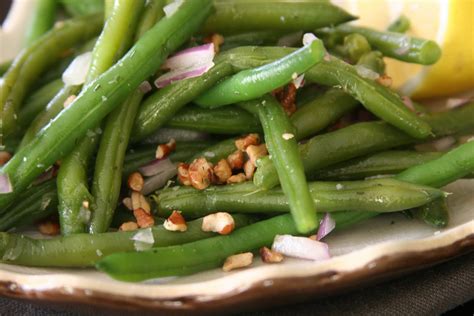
135	181
222	171
270	256
236	160
183	174
244	142
164	150
144	219
175	222
256	152
237	178
221	223
5	156
128	226
237	261
200	173
139	201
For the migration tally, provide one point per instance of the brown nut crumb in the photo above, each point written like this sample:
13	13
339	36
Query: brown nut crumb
385	80
128	226
270	256
144	218
222	171
201	173
313	237
237	178
215	39
287	97
128	203
49	228
237	261
183	174
236	160
135	181
175	222
164	150
244	142
256	152
139	201
5	156
69	100
249	169
221	223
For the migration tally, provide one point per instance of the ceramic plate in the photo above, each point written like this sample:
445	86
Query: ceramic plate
376	249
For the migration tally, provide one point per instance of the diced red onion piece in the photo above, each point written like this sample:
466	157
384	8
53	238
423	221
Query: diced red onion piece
366	73
299	81
191	58
145	87
409	103
156	166
5	184
453	103
76	73
308	38
326	226
290	40
171	8
301	247
444	144
45	176
177	75
158	181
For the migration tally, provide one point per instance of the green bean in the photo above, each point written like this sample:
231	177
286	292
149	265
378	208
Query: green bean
322	112
363	139
400	25
258	38
374	61
394	45
53	108
334	72
44	16
355	46
160	107
35	59
283	148
84	250
59	137
237	17
153	13
453	165
113	41
216	152
35	103
381	195
183	259
225	120
435	213
83	7
254	83
36	203
383	163
4	67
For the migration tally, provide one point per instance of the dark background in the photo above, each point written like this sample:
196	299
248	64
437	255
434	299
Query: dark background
446	288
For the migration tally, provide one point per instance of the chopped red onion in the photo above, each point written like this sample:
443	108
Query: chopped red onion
76	73
171	8
158	181
299	81
444	144
453	103
156	166
308	38
191	57
326	226
145	87
301	247
409	103
5	184
177	75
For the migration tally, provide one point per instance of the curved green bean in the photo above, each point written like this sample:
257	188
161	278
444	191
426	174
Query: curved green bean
238	17
216	152
83	7
59	137
44	16
381	195
254	83
84	250
400	25
257	38
374	61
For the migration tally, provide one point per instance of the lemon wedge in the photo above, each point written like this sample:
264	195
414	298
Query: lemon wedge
448	22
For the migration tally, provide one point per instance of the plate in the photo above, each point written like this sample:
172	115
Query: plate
371	251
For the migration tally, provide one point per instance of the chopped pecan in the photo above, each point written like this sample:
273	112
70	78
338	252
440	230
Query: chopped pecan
244	142
236	160
385	80
128	203
222	171
215	39
237	178
144	219
49	228
164	150
183	174
270	256
249	169
175	222
287	98
201	173
256	152
135	181
139	201
221	223
128	226
5	156
237	261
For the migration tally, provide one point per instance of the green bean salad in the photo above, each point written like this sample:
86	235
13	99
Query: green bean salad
164	138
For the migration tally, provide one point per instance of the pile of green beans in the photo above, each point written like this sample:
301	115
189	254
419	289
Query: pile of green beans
91	154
